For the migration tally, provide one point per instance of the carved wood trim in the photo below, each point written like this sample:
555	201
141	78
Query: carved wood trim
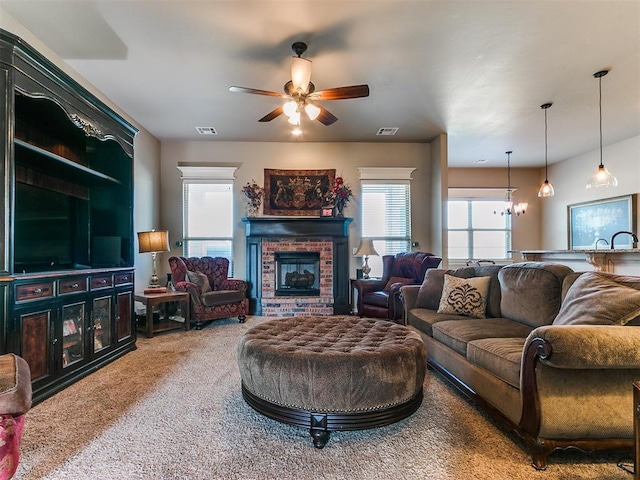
530	418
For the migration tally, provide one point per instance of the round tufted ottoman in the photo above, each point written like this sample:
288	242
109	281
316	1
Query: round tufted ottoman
332	373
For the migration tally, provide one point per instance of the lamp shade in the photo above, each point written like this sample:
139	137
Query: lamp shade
365	248
153	241
300	74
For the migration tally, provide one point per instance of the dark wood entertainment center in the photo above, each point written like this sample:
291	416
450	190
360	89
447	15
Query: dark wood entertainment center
66	226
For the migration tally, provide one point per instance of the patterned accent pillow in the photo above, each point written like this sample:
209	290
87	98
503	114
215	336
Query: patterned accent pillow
200	279
464	296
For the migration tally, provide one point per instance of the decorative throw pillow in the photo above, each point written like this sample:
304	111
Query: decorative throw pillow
464	296
598	299
393	280
200	279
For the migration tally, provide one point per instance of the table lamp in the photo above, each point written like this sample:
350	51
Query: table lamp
364	250
153	242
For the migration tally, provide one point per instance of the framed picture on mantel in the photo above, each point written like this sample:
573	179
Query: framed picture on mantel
601	219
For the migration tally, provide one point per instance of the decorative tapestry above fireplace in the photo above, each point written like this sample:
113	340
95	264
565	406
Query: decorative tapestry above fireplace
296	192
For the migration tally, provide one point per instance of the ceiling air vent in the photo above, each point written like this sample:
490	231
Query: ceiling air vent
206	130
387	131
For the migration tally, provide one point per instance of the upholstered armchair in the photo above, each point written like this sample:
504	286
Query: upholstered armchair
380	298
15	401
213	295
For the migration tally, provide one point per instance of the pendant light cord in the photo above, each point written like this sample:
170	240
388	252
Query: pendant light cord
546	167
600	107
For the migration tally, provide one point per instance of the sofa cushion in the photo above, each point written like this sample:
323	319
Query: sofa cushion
221	297
531	292
199	279
423	319
431	288
392	280
457	333
500	356
493	298
597	298
464	296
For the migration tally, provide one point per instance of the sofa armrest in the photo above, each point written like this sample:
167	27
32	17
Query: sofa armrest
409	296
589	346
234	284
368	285
192	289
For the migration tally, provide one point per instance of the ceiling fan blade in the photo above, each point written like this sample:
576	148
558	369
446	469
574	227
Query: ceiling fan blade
326	117
341	93
255	91
271	115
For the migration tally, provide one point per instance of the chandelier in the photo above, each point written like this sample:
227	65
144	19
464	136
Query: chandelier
510	207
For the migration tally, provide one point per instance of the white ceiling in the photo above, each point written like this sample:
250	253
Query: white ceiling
476	70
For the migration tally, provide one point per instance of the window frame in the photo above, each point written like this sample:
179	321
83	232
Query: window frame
479	195
207	176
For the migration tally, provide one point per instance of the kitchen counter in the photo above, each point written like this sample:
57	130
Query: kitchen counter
625	261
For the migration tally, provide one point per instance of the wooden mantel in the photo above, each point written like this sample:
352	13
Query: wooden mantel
621	261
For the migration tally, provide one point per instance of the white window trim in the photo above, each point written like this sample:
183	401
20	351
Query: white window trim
386	174
207	173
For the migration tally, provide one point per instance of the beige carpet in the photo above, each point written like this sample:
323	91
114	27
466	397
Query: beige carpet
173	410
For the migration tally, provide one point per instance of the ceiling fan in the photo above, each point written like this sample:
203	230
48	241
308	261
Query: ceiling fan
302	94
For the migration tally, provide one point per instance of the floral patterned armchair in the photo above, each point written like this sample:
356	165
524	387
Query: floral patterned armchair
213	295
15	401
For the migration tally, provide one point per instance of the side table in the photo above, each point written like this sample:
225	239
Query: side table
150	300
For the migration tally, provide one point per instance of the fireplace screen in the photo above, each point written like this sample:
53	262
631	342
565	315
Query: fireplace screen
297	273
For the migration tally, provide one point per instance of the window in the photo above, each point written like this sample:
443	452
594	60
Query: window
207	213
476	228
386	212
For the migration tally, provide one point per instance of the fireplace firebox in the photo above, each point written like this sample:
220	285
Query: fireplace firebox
297	274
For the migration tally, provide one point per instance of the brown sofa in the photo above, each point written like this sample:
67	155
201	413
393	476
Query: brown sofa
554	359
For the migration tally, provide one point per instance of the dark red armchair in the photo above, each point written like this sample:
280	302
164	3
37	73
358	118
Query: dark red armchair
380	298
218	296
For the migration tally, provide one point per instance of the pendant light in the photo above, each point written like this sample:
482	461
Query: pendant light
546	190
510	207
602	177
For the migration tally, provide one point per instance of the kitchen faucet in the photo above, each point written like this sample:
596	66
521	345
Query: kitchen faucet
633	235
601	240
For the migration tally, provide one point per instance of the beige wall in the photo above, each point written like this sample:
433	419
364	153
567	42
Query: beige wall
252	158
570	177
526	229
147	152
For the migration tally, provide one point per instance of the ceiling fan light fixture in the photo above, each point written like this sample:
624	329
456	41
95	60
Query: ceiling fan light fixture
312	111
296	131
300	74
290	108
295	118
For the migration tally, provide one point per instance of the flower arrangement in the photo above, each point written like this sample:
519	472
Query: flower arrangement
254	194
338	195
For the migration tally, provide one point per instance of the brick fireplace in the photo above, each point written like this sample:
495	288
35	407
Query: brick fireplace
272	239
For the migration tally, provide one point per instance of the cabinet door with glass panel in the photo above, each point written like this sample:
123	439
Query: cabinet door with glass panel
101	324
73	321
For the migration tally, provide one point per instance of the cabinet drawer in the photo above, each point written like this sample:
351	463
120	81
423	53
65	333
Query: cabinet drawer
101	281
34	291
72	285
124	278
